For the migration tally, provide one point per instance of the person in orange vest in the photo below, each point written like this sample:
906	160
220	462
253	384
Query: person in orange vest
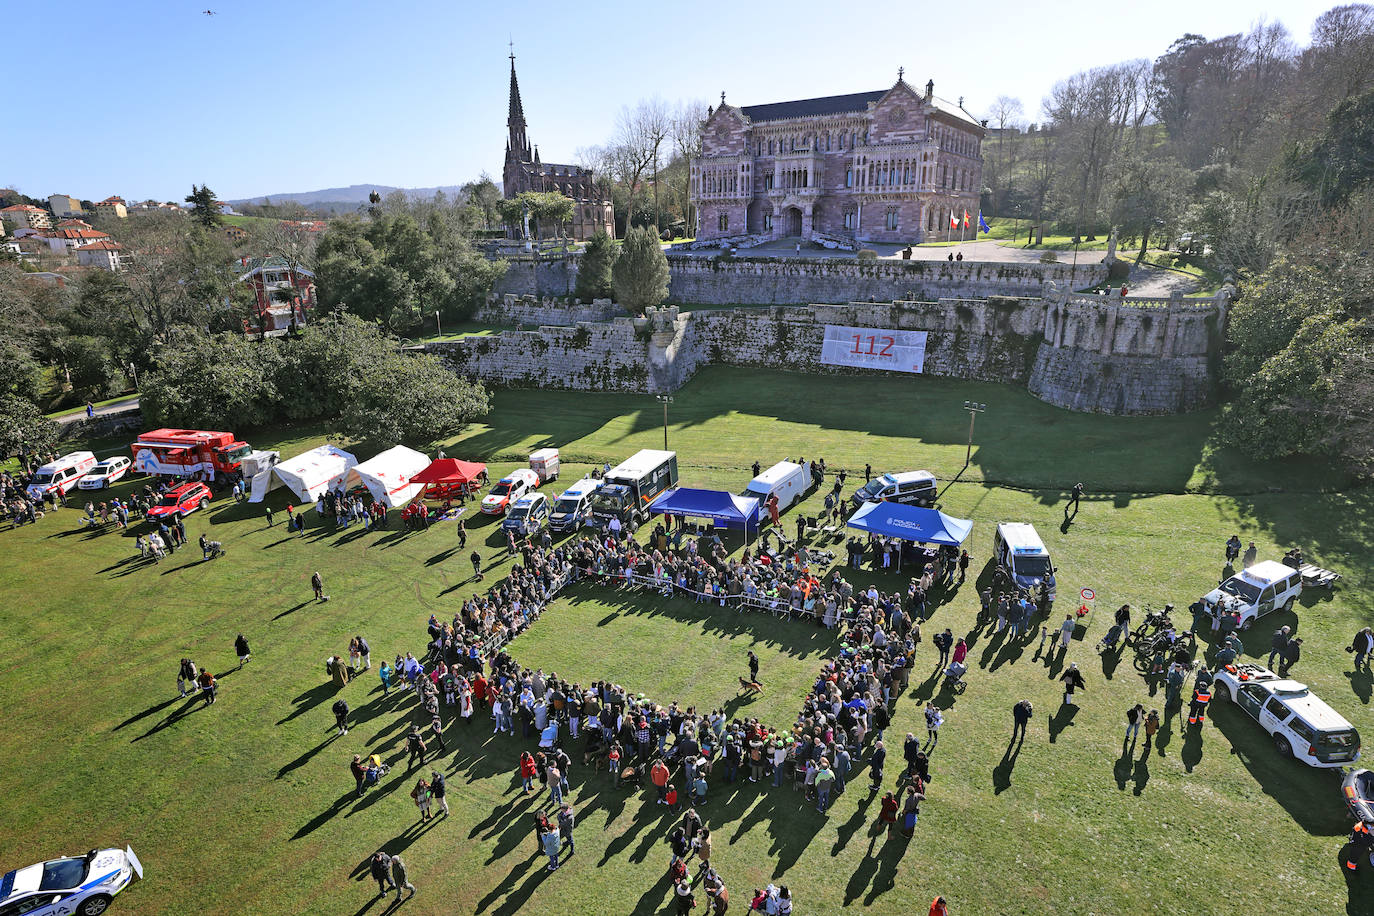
1197	709
938	907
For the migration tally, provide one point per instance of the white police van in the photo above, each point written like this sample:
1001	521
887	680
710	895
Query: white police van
1017	548
1303	727
573	506
528	514
915	488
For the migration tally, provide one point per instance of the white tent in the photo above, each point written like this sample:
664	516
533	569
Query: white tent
387	476
311	473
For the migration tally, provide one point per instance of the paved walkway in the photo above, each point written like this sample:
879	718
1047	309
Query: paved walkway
115	407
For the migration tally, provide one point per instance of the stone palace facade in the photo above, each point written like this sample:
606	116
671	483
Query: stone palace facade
883	166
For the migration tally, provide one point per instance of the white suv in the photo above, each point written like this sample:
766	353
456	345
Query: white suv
1301	725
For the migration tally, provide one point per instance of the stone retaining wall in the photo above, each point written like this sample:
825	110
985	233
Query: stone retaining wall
511	309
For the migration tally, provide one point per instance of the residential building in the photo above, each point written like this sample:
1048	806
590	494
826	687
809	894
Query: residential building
71	238
26	216
523	171
62	205
73	224
891	165
284	294
236	233
112	208
104	254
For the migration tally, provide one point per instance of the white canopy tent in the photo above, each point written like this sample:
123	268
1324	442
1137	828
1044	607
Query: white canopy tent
387	476
311	473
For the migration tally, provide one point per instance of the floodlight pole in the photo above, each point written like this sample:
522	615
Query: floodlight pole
665	400
974	409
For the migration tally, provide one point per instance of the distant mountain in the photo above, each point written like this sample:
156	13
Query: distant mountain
343	198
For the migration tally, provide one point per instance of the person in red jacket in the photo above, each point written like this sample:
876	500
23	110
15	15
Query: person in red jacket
528	769
938	907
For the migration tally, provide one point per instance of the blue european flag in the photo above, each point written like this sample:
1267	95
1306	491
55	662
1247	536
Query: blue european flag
982	223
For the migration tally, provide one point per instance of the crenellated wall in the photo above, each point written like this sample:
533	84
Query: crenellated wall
1086	353
793	281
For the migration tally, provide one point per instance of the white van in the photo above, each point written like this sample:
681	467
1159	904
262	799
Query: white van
787	480
914	488
1017	548
573	506
1256	591
1301	724
60	475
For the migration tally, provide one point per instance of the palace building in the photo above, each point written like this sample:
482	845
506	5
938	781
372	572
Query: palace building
884	166
592	212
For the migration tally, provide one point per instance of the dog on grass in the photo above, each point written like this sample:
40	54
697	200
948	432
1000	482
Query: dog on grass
752	686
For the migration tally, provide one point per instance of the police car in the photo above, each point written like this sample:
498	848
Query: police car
70	886
528	514
1302	726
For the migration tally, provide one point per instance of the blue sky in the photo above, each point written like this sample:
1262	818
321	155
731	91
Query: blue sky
293	95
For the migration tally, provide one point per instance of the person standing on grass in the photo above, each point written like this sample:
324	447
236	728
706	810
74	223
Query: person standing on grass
381	872
555	781
1362	645
934	719
566	820
1250	553
875	765
1072	680
268	512
1020	718
462	535
938	907
1066	631
1134	716
439	789
1151	726
436	725
241	649
825	781
364	652
415	743
398	875
317	584
658	775
1277	644
208	685
340	709
753	667
527	771
476	566
359	771
1291	653
551	846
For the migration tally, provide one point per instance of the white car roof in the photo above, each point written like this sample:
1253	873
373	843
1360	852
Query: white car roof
1265	573
581	488
902	477
68	461
1313	710
528	500
1022	538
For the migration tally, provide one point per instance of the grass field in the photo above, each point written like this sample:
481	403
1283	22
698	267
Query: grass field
247	806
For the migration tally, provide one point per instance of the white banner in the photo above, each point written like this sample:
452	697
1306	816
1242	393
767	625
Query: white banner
874	348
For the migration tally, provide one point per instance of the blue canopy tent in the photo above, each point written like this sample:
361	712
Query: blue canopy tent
911	523
726	510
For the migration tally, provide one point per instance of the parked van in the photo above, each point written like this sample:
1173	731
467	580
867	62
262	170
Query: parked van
1301	724
786	480
1256	591
60	475
574	505
528	514
915	488
1017	548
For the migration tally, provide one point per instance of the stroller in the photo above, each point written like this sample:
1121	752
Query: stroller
954	677
376	769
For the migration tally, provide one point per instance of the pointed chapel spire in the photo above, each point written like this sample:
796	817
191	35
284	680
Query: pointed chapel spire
515	121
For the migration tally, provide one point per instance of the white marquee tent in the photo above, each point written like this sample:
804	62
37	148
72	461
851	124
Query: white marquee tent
387	476
311	473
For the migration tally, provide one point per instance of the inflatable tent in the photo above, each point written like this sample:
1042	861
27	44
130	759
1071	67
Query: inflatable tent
311	473
388	475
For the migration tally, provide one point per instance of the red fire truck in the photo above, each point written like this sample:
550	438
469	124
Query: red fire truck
193	453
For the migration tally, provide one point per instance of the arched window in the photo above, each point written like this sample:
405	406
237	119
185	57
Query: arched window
724	221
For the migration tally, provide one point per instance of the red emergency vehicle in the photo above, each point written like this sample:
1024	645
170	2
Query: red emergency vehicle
191	453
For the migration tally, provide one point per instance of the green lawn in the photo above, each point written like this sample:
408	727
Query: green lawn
676	649
247	806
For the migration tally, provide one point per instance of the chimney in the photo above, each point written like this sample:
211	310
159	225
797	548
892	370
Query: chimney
930	90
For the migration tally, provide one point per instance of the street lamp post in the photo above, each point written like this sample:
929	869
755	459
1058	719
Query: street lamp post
439	328
665	400
974	409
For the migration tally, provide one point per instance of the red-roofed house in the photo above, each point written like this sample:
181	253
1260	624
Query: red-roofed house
285	294
26	216
104	254
74	224
67	239
112	208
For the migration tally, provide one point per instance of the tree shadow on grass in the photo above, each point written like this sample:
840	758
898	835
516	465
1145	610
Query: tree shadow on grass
309	700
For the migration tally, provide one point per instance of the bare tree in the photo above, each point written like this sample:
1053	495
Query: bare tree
1006	114
685	123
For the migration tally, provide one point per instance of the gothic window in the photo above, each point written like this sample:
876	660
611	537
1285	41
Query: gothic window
930	220
767	222
891	221
944	175
827	141
849	178
768	182
842	136
723	222
850	219
770	147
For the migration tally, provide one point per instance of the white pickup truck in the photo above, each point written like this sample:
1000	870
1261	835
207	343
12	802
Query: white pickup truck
1301	725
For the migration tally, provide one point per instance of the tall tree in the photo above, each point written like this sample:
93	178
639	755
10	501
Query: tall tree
640	275
204	207
595	273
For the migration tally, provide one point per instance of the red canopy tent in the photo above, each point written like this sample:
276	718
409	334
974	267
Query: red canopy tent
449	477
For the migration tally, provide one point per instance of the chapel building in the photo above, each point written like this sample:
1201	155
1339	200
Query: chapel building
523	171
890	165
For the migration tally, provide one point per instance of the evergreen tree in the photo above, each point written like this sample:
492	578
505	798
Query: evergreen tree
640	275
204	206
594	273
